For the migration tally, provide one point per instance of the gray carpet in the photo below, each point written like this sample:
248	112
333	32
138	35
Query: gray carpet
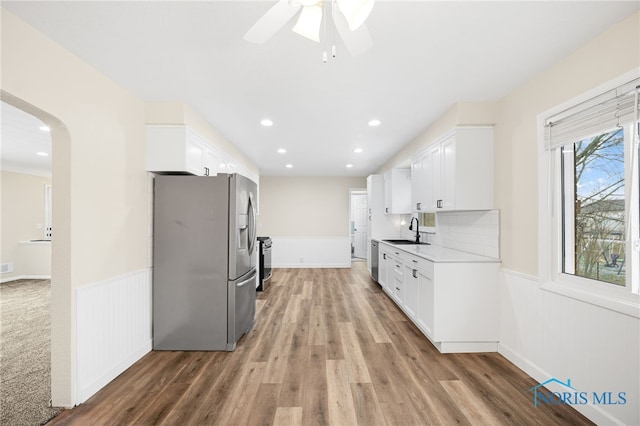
25	353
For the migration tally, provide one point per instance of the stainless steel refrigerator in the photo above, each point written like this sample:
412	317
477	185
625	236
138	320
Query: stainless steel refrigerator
204	261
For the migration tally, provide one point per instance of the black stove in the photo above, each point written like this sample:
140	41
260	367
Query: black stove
264	263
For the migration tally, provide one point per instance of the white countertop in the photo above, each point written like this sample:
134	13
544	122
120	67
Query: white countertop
441	254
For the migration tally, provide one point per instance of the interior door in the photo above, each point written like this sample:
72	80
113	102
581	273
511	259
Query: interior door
361	225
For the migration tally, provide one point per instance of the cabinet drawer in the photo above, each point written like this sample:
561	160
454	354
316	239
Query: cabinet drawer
420	264
397	270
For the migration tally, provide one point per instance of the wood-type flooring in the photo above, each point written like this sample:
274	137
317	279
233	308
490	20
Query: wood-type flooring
328	348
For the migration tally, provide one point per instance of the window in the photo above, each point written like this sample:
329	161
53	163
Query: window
593	199
592	192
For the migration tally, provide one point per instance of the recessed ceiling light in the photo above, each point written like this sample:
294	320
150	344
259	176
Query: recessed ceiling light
266	122
282	151
357	150
374	123
349	166
289	166
45	128
42	154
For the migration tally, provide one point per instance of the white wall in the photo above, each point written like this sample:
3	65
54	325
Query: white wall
100	200
546	334
308	219
101	215
22	215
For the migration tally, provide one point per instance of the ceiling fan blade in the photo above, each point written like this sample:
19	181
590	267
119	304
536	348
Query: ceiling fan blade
309	22
272	21
357	41
355	12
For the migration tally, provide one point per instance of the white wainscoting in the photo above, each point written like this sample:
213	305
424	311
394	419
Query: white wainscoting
311	252
113	329
548	335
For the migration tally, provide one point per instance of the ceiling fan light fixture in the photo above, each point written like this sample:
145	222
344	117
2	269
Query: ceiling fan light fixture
355	11
308	24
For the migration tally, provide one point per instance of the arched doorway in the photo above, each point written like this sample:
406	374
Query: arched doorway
62	312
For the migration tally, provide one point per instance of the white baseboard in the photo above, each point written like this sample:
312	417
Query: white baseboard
93	387
466	347
26	277
592	412
311	265
523	363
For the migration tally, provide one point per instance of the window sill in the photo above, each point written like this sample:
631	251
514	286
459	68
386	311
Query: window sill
617	301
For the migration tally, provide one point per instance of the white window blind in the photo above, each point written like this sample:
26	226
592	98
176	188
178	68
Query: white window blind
614	108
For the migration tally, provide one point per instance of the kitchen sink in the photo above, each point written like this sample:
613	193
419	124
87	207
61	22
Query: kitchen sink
404	242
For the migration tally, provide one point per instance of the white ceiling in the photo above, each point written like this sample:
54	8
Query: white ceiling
426	56
21	140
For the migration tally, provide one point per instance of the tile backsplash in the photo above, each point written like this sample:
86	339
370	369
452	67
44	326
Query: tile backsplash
475	232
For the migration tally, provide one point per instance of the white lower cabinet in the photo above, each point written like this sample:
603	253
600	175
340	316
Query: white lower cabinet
397	292
425	301
411	286
454	304
390	272
419	292
384	262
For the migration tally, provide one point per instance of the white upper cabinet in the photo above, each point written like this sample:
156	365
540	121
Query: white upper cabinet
209	162
380	225
418	183
455	172
178	149
397	191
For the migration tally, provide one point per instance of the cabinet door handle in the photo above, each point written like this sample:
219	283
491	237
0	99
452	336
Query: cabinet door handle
206	171
384	256
386	209
419	206
414	261
439	204
397	288
369	217
415	273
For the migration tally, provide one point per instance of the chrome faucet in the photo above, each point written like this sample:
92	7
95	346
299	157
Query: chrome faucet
417	228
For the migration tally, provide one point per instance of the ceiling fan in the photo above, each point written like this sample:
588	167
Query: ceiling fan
348	17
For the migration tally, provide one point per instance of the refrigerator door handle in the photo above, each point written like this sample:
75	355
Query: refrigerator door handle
252	226
247	281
